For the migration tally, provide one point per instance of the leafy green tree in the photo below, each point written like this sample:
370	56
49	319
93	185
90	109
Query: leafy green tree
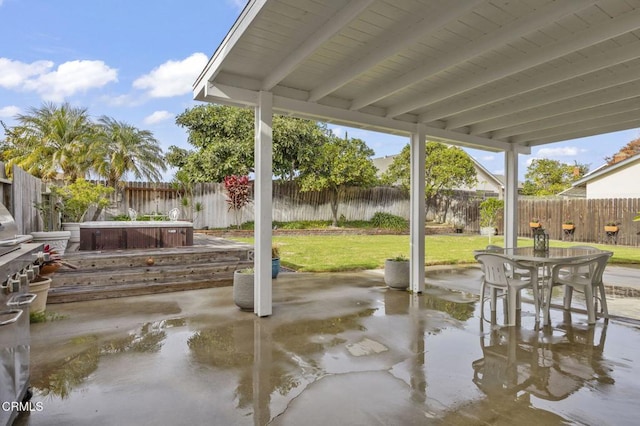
76	198
121	148
340	163
446	168
549	177
49	140
223	138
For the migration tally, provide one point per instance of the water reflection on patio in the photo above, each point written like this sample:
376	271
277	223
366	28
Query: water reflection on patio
337	351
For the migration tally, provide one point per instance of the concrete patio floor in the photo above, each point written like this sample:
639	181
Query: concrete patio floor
340	349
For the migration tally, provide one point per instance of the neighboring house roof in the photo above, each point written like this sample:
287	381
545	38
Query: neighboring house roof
503	180
579	189
606	170
574	192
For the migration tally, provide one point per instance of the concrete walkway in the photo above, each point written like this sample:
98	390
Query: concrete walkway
339	349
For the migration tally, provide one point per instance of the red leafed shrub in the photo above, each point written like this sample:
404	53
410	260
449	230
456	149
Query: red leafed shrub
238	196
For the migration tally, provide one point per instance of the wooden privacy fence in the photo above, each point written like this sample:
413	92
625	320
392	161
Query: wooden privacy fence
289	204
588	215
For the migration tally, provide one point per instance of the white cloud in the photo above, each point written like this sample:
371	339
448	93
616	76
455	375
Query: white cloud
173	78
158	116
488	158
9	111
566	151
121	100
14	74
54	85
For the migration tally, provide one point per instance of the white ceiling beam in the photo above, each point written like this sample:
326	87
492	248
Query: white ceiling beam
470	106
229	95
214	65
579	40
391	42
304	109
582	133
556	102
331	27
582	108
466	139
622	117
509	32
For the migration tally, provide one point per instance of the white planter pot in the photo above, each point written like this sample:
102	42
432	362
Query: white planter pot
487	230
39	287
243	290
397	274
57	240
74	228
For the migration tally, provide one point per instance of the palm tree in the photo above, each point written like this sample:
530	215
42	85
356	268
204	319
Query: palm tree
122	148
49	140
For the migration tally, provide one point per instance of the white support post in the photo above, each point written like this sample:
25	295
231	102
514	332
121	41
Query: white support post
511	198
417	201
263	204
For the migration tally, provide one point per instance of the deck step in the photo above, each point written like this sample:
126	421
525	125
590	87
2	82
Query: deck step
120	273
83	293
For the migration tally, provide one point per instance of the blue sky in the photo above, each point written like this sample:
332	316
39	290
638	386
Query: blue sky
135	61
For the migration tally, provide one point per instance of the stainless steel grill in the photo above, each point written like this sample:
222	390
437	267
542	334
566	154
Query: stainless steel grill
19	265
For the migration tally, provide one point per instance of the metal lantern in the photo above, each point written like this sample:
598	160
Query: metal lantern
540	240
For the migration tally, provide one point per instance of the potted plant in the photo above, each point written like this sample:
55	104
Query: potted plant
397	272
42	282
489	211
75	200
535	223
243	288
568	225
275	260
611	227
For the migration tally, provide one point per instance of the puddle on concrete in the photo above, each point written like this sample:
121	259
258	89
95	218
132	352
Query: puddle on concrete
440	364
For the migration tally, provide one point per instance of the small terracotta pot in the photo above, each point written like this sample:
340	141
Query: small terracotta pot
49	269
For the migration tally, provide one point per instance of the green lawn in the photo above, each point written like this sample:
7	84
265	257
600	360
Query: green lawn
330	253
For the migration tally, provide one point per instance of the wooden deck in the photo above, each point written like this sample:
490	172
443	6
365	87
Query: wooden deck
210	262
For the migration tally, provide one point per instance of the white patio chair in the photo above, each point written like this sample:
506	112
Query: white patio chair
585	276
518	274
498	276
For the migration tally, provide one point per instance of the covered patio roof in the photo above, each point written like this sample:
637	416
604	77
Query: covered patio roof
480	73
499	75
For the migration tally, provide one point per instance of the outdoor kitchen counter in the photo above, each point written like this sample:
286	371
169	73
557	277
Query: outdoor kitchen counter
120	235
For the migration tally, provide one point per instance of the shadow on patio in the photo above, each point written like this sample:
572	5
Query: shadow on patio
339	349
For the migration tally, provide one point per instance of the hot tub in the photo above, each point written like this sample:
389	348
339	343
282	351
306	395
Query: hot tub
116	235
